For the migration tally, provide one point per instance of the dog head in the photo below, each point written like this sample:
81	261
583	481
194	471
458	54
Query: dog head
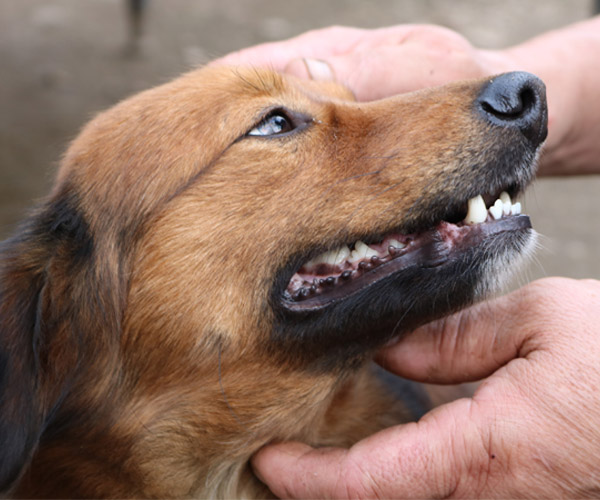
218	253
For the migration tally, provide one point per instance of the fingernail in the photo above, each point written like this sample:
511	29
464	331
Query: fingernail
319	70
315	69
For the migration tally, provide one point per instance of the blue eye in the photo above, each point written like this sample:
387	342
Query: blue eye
275	124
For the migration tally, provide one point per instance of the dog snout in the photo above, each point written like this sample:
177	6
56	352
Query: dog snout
516	100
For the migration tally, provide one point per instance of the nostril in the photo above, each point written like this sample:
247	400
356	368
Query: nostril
512	106
516	100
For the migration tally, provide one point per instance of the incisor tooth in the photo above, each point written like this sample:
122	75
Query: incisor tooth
496	210
516	208
506	202
505	197
477	211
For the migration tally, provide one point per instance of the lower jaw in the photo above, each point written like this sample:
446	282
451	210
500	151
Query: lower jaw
340	333
433	248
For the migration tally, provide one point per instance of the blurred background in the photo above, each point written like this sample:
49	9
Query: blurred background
61	61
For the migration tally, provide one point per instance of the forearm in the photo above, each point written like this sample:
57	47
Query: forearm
568	60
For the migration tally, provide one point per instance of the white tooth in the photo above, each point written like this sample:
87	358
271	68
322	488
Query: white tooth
361	251
505	197
496	210
333	257
516	209
477	211
396	244
506	202
340	255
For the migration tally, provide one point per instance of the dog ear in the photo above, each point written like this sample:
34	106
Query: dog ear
31	305
21	295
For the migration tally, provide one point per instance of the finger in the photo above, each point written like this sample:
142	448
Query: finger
295	470
418	460
355	71
311	69
317	44
468	345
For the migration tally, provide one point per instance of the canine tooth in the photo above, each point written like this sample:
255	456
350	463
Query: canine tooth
362	250
516	208
496	210
477	211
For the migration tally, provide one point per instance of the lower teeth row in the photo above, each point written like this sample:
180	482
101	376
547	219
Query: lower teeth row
307	288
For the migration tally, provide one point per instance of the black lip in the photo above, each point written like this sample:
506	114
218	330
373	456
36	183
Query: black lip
339	334
431	251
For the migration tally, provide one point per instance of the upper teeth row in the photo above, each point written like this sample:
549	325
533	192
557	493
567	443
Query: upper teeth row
478	212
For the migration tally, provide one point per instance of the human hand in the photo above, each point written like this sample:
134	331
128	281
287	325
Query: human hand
375	63
532	429
380	63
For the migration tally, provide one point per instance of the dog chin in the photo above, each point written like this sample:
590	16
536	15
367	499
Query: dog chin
435	282
501	267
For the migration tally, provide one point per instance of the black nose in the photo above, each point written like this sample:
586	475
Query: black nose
516	100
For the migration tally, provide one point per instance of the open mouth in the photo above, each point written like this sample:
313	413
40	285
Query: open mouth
341	272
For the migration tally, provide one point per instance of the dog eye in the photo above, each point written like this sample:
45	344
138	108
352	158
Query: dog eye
274	124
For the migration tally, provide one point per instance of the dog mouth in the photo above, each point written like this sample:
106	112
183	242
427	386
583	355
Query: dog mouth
341	272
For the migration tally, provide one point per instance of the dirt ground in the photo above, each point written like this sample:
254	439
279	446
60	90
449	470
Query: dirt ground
61	61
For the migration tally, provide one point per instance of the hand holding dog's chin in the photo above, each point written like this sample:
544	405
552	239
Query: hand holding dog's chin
531	429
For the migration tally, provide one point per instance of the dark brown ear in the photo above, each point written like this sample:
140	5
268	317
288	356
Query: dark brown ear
32	302
20	416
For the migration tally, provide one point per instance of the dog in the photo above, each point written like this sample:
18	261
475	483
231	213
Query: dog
219	260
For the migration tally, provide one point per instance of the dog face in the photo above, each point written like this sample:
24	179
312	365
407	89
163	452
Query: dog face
198	282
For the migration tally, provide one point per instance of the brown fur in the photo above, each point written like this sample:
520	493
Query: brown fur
135	305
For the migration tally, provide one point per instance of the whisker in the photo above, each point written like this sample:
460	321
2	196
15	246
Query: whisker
398	323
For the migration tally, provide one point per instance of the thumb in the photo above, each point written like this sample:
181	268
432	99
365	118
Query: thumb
469	345
416	460
313	69
356	72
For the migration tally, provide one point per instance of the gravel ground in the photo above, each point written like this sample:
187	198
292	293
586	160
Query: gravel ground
64	60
